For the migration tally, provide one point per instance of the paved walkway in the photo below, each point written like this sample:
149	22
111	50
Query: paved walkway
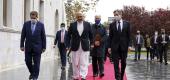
136	70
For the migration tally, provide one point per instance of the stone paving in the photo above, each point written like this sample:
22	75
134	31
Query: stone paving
136	70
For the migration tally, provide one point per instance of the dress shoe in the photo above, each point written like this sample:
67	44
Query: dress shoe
34	79
83	79
63	68
166	63
102	75
95	75
30	77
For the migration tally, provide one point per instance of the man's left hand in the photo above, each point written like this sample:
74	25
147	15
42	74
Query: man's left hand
129	49
43	50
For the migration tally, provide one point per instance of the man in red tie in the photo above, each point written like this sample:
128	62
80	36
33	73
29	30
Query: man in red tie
62	40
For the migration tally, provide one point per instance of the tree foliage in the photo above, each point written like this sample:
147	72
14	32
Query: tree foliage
146	21
78	6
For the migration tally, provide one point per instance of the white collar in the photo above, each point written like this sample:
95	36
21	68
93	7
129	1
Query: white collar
80	22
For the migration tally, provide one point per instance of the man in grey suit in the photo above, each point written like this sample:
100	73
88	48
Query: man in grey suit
138	44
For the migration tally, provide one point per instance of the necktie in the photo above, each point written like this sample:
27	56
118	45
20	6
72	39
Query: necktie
164	37
33	27
155	40
62	36
119	27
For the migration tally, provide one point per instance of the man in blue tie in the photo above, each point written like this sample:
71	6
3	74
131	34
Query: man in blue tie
33	42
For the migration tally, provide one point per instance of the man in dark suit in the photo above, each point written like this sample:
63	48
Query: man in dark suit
62	40
119	40
163	40
98	51
155	46
138	44
80	37
34	38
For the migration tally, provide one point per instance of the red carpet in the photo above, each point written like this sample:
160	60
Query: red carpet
109	72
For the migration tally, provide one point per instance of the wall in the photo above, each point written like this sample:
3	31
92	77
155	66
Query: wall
10	54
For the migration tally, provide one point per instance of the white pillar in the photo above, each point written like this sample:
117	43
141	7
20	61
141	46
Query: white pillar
1	13
9	13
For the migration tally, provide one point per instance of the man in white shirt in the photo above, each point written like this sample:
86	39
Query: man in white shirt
62	41
163	46
154	46
80	37
138	44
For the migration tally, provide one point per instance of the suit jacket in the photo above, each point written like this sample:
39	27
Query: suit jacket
58	38
99	51
35	41
141	42
117	39
75	38
153	40
147	42
160	39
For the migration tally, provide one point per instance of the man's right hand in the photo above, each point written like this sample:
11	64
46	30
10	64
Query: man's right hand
54	46
22	48
109	50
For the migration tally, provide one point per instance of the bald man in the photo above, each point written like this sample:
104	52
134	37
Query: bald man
80	36
98	51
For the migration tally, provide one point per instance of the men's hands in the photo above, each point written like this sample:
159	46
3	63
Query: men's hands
43	50
97	43
67	49
129	49
22	48
109	50
92	46
54	46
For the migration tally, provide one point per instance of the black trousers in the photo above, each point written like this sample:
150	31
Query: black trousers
62	50
163	52
137	51
98	65
32	60
148	51
121	57
156	51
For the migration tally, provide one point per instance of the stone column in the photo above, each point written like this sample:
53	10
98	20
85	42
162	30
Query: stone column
9	13
1	13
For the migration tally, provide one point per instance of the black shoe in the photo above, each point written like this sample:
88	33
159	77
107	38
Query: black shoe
63	68
160	62
34	79
95	75
83	79
135	59
30	77
102	75
166	63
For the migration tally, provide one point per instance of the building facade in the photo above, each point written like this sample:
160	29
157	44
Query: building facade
13	13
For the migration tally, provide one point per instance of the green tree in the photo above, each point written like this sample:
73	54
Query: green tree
77	6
